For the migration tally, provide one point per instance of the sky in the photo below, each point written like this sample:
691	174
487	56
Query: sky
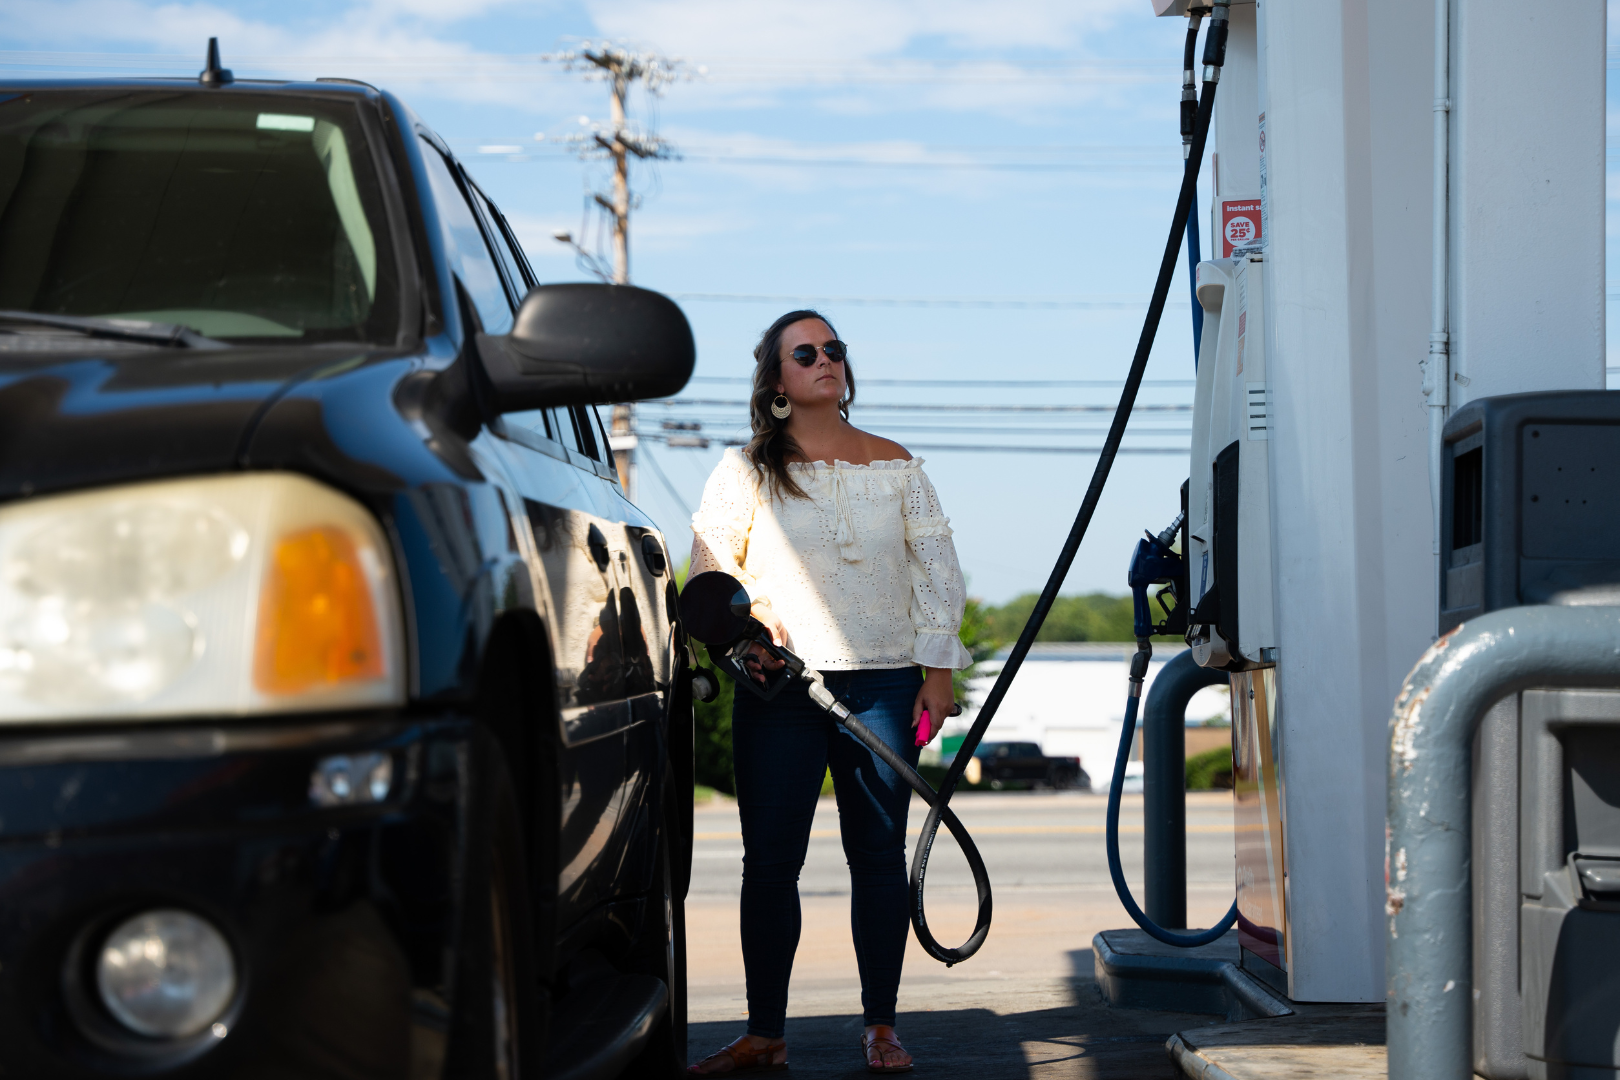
1022	156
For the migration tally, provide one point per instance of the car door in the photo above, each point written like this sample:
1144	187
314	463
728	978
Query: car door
646	613
560	458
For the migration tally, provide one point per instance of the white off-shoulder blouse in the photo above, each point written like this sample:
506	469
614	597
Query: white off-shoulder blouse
863	573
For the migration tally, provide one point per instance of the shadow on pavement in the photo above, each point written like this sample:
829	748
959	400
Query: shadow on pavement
1082	1039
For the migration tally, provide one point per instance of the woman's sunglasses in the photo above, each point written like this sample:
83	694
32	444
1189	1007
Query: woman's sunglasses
835	350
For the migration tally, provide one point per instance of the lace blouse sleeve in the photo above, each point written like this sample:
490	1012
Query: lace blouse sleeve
938	593
720	526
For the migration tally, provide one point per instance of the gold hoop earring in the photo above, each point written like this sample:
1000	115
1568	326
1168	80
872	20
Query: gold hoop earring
781	407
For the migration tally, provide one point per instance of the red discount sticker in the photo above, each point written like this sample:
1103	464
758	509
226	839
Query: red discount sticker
1240	226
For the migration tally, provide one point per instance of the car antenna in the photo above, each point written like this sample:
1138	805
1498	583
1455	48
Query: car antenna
213	74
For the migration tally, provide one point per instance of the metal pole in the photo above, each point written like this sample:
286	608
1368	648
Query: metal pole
1429	953
621	180
1437	366
624	416
1164	787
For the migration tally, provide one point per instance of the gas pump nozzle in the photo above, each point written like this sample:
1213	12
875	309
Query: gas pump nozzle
716	610
1155	563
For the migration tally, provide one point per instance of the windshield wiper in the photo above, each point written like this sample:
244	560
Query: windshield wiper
169	335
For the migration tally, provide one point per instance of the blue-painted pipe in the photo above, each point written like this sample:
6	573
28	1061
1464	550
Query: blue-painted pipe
1164	786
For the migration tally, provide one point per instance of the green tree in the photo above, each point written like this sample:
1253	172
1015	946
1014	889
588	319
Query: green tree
1091	617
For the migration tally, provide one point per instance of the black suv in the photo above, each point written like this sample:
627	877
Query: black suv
345	718
1006	763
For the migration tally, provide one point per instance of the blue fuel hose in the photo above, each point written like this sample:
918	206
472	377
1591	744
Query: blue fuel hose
1116	788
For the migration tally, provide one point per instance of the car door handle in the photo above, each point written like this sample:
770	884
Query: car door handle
597	543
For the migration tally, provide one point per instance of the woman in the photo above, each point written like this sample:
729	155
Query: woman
840	540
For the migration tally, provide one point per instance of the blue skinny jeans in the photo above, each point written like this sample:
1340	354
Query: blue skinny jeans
782	749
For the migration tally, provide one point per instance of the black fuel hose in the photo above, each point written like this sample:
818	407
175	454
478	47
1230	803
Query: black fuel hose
1116	787
1189	118
1214	58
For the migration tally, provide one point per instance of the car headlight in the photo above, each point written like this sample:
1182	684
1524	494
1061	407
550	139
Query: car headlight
166	973
240	594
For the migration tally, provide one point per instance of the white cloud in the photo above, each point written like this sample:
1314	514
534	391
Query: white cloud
837	58
851	28
442	11
178	25
394	43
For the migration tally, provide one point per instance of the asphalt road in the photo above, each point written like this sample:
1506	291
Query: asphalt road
1025	1005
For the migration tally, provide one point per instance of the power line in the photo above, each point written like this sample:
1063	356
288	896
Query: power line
925	302
502	153
550	145
700	443
955	429
696	429
520	67
1088	384
941	407
952	447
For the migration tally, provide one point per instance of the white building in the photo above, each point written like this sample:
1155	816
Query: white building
1069	698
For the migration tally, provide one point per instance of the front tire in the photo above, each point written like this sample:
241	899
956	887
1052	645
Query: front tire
662	953
496	1028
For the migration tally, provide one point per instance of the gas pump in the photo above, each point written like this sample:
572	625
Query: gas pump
1233	623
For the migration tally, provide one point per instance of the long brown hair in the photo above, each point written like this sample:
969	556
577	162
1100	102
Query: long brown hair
771	445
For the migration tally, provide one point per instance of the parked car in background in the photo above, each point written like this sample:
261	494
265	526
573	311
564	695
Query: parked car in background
1002	763
345	718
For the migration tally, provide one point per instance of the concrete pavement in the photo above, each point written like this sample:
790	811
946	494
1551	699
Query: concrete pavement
1025	1006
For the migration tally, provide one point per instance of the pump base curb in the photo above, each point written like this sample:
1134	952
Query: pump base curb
1134	971
1319	1042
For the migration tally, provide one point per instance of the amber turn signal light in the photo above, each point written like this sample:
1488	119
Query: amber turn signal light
317	624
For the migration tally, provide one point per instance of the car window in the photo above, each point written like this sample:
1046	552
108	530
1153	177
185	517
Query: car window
534	420
240	215
595	414
588	444
506	246
560	423
468	253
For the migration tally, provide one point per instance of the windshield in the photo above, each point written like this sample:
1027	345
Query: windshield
240	216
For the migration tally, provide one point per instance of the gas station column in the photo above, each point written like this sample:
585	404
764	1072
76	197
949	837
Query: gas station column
1345	90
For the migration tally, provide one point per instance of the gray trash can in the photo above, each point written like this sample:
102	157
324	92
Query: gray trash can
1531	515
1569	867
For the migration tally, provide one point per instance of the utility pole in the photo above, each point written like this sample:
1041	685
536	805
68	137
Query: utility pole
618	143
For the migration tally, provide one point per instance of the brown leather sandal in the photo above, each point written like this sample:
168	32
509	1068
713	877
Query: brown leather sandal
877	1046
744	1060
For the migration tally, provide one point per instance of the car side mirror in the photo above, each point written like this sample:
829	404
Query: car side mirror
583	344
